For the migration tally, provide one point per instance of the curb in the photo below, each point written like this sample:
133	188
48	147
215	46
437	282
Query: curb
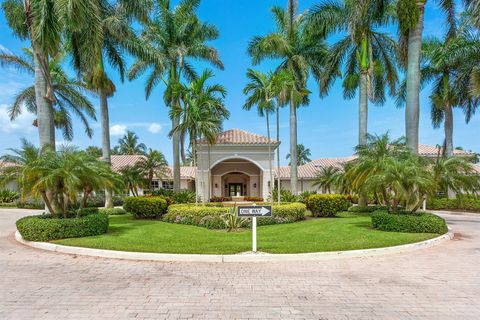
244	257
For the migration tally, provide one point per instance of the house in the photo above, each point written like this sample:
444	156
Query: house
238	165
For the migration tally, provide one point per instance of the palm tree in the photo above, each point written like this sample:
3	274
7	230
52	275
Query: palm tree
202	113
69	94
44	25
175	35
301	51
94	151
366	53
115	38
153	165
303	155
129	145
20	157
327	179
454	175
448	86
410	15
133	179
260	91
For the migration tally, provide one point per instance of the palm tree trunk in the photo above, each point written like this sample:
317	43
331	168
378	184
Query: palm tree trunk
106	157
194	150
278	153
448	127
182	146
363	123
412	111
176	154
363	110
45	123
209	175
269	161
293	147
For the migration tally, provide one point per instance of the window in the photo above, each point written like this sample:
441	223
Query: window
167	185
155	185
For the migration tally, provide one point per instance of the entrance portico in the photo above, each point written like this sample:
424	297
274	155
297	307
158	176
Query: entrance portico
238	164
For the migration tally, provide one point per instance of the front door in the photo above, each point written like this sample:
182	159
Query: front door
235	189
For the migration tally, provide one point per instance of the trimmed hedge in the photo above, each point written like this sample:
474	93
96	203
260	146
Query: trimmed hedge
327	205
463	203
212	217
113	211
363	209
146	207
414	223
46	228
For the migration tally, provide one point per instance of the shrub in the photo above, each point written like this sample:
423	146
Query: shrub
182	196
232	221
8	196
31	204
285	195
467	203
220	199
98	201
46	228
363	209
113	211
191	214
415	223
145	207
213	217
327	205
254	199
302	197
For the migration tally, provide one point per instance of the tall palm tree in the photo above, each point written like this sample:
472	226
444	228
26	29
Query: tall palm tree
202	113
449	83
69	94
175	35
43	24
303	155
410	15
153	165
260	91
129	145
364	51
301	51
116	37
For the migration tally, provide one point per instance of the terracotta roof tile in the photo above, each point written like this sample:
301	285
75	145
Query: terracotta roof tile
310	170
122	161
426	150
237	136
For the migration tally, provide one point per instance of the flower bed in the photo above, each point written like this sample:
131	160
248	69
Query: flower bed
213	217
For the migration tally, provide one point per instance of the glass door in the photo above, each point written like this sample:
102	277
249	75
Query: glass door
235	189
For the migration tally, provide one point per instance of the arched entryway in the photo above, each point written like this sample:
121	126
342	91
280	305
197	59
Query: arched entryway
236	177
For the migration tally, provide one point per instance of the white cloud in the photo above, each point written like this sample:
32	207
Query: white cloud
5	49
154	127
118	130
22	124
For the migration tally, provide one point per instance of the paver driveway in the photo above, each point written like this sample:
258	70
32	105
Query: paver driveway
442	282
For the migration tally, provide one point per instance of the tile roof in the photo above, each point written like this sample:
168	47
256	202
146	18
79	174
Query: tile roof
476	167
237	136
121	161
426	150
310	170
4	164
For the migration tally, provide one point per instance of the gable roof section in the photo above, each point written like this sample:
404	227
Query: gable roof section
120	162
310	170
237	136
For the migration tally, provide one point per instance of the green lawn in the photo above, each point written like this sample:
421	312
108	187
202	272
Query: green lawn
347	232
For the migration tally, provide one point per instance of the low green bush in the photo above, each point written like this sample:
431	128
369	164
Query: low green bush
414	223
8	196
212	217
179	197
327	205
113	211
367	209
46	228
85	211
467	203
30	204
146	207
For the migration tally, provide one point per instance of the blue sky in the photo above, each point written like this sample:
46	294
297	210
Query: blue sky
327	126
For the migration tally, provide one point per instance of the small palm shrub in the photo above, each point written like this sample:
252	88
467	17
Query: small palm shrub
407	222
46	228
232	221
285	195
8	196
327	205
146	207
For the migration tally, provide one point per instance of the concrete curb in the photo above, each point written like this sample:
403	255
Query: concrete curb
244	257
456	213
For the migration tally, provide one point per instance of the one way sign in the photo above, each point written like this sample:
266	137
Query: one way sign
254	211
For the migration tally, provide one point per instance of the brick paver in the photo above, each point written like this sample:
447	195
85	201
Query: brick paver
442	282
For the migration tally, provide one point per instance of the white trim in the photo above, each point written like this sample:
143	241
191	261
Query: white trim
237	157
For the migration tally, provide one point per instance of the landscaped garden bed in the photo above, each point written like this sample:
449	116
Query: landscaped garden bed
345	232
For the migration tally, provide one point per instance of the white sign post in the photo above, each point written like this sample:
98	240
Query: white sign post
253	212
